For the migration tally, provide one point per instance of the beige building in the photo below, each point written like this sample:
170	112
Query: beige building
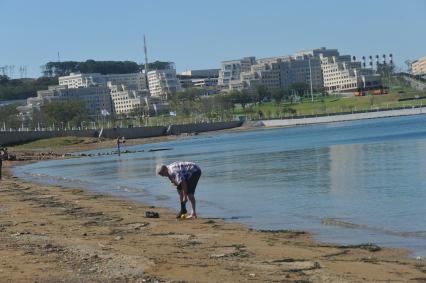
205	73
95	98
125	100
302	69
265	73
273	72
133	80
418	67
341	74
78	80
231	70
163	83
320	69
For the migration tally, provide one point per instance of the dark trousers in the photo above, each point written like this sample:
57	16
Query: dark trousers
191	182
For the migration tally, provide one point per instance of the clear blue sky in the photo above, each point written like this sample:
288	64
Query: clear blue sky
201	34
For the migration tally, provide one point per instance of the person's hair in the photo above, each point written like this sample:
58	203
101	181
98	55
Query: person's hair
159	168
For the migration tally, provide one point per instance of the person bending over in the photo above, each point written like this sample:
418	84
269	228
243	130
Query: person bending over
185	176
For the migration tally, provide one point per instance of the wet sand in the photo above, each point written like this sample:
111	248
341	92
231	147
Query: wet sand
55	234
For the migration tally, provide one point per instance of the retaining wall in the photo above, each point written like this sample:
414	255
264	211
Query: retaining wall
10	138
202	127
134	133
341	118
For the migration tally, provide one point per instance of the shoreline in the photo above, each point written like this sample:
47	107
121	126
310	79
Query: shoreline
90	235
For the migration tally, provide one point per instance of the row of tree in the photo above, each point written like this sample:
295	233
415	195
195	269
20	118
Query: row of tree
190	101
72	112
12	89
182	100
64	113
54	69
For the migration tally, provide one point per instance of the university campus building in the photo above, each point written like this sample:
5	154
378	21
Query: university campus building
321	69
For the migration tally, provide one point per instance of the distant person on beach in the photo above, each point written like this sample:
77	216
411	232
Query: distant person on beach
120	140
3	154
185	176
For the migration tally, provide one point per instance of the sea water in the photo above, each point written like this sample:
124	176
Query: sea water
349	183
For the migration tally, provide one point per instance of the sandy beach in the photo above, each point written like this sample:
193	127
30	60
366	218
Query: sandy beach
55	234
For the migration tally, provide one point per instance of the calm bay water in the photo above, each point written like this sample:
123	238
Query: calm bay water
351	182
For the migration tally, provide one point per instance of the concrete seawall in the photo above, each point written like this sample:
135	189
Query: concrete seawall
203	127
17	137
341	118
134	133
9	138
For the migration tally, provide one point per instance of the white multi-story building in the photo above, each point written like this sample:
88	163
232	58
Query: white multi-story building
320	69
126	100
317	52
135	81
95	98
231	70
78	80
304	69
343	75
266	73
205	73
418	67
204	82
274	72
163	83
201	82
119	93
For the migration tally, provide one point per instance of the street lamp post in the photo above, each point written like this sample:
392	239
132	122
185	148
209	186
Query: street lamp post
310	78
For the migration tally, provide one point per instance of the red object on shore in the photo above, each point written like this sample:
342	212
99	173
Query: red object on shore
359	93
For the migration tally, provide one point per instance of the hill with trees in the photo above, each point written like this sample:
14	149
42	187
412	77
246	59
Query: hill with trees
54	69
11	89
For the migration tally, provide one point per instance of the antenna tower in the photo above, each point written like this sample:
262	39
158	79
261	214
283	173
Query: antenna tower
146	61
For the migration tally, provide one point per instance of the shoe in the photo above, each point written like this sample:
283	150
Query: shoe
191	216
152	214
179	215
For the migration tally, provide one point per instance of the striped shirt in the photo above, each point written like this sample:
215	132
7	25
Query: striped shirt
180	171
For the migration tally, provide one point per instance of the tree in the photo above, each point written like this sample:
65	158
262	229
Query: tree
3	79
386	71
9	116
216	105
288	110
262	93
189	94
279	94
186	102
23	88
240	97
157	65
408	63
299	87
73	112
53	69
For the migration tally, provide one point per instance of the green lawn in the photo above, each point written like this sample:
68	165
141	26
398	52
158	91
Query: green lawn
334	104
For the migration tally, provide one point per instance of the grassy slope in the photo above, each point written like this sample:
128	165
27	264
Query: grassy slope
336	104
